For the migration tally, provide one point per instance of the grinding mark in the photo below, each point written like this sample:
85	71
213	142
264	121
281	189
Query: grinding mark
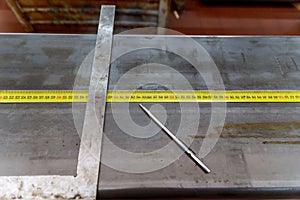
236	160
289	67
281	142
222	58
294	62
245	165
279	65
244	58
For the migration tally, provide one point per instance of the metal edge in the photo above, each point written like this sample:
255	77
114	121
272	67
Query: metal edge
149	36
181	35
203	193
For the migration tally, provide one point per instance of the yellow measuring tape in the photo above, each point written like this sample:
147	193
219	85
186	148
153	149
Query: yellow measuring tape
56	96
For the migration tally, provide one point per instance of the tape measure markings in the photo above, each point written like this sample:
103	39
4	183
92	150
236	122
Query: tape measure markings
42	96
68	96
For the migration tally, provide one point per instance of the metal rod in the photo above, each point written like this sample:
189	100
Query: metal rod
183	146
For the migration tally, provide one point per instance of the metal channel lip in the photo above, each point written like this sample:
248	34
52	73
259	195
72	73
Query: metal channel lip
158	36
84	184
205	36
218	193
47	34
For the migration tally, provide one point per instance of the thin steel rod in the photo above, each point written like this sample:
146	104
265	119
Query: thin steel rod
183	146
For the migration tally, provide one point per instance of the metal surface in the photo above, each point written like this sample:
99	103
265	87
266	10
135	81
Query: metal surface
84	183
183	146
257	153
256	143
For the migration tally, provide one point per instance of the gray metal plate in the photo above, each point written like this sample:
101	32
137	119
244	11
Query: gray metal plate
258	148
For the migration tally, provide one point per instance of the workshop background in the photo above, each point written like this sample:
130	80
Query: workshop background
209	17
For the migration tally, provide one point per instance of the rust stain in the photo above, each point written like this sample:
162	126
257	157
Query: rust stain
257	130
281	142
272	126
246	136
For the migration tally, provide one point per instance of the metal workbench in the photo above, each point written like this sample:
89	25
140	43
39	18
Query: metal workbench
257	153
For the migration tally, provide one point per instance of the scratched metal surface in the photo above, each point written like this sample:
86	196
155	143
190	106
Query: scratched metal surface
258	147
83	184
39	139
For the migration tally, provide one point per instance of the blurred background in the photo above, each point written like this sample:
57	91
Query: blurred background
205	17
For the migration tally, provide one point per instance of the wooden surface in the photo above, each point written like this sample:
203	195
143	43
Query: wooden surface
255	19
62	16
8	21
201	19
